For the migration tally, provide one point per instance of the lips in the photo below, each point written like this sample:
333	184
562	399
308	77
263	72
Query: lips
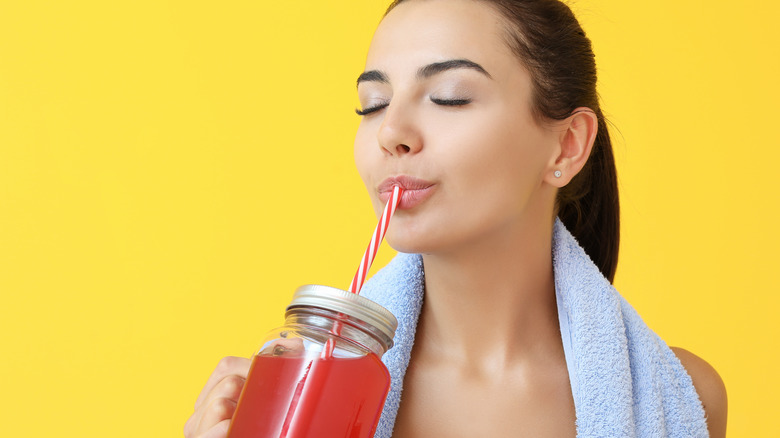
415	190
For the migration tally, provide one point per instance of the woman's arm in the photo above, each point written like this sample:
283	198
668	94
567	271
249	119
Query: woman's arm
710	388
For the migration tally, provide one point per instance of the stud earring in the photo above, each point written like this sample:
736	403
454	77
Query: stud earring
557	173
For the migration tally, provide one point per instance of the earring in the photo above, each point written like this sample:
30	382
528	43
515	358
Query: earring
557	173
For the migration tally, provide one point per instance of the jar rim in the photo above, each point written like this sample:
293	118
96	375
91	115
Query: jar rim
348	303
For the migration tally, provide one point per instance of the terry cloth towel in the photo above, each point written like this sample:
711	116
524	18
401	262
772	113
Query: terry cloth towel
625	381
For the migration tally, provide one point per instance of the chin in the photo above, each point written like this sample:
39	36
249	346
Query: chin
404	248
410	244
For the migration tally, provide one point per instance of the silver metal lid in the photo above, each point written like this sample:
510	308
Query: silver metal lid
342	301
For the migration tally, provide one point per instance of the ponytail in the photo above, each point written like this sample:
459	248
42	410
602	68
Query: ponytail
589	205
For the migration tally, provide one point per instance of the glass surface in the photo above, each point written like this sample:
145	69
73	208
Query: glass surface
291	392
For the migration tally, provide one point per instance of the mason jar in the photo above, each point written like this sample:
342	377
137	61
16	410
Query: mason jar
320	374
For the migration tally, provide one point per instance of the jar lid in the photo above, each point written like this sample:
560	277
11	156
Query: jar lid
338	300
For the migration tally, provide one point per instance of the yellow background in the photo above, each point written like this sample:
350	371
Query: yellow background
171	170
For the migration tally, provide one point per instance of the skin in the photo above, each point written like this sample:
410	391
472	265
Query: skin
485	231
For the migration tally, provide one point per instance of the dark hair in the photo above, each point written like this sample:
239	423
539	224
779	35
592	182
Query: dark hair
551	44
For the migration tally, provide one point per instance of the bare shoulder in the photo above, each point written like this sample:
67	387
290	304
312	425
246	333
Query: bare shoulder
711	390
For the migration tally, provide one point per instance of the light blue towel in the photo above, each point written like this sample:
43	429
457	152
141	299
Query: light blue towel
625	381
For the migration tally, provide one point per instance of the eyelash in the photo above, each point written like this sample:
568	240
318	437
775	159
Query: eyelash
370	110
450	102
443	102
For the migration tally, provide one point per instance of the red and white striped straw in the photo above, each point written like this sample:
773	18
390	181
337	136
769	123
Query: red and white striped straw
376	239
367	261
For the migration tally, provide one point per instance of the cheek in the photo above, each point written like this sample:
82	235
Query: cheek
503	169
500	151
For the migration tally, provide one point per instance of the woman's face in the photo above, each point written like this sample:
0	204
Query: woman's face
449	119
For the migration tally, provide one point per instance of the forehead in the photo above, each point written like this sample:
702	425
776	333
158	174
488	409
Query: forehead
418	32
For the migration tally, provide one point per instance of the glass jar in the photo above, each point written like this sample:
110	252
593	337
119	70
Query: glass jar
320	375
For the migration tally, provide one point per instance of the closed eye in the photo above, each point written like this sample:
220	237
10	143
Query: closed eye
369	110
450	102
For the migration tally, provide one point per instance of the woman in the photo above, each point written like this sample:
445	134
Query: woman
486	112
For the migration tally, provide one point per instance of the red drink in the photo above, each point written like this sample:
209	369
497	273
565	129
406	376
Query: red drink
319	375
296	397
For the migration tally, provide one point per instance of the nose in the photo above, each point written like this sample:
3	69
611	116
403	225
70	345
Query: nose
399	134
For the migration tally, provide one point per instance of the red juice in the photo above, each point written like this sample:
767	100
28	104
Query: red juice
297	397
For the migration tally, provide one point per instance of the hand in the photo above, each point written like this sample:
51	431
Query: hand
217	401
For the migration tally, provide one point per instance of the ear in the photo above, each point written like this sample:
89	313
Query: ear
577	134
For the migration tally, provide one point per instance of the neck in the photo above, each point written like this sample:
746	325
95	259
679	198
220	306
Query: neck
497	293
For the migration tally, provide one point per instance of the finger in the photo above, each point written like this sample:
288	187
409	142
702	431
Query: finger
220	430
230	388
189	426
227	366
218	410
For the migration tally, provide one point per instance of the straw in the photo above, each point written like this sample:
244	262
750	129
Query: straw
367	260
376	239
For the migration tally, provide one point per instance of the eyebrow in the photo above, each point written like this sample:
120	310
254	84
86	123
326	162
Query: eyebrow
373	76
426	71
